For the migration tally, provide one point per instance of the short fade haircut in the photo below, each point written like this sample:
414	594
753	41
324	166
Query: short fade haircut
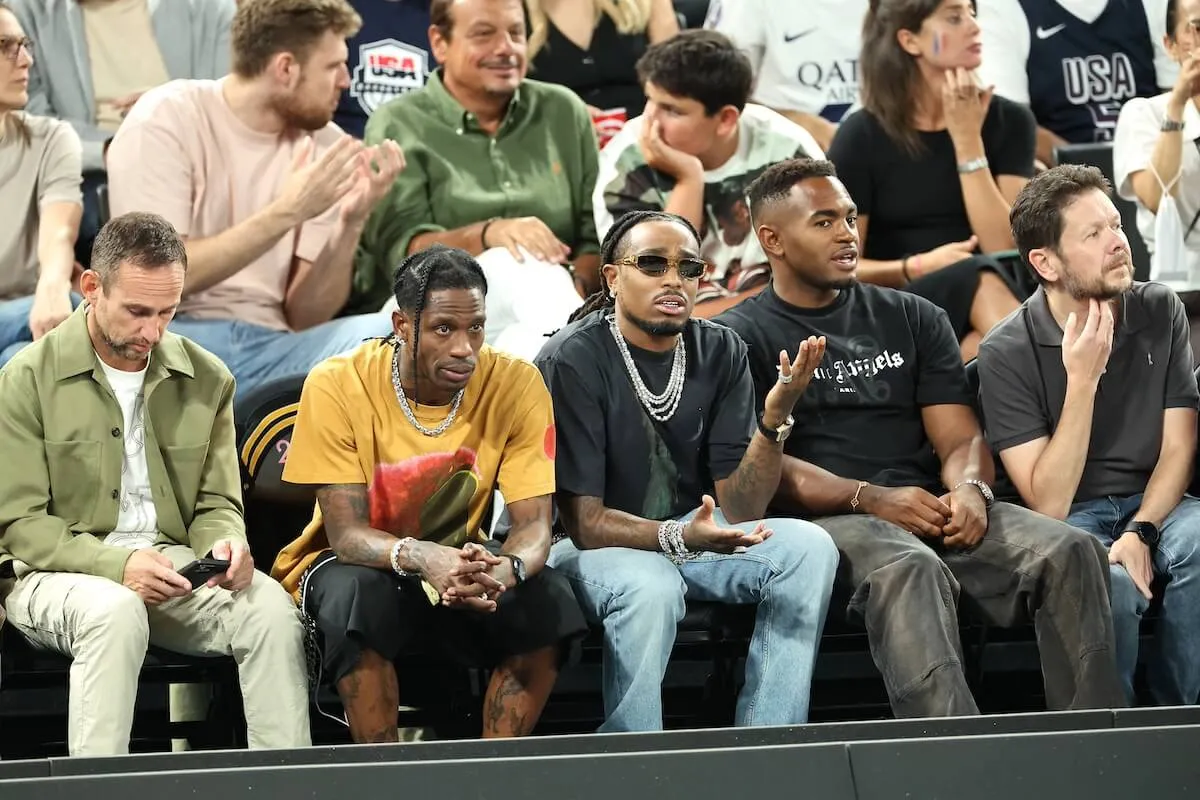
1036	217
777	180
139	239
700	65
264	28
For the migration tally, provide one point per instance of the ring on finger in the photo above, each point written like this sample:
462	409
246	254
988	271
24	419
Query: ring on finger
785	378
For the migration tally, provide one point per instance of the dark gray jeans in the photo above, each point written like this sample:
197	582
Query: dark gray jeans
1028	566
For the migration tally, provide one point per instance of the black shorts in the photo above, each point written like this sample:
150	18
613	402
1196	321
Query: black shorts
953	288
358	608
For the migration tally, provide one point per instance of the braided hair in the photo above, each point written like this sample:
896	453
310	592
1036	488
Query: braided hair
432	270
611	251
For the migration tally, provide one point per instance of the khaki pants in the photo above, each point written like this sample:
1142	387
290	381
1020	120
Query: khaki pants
105	628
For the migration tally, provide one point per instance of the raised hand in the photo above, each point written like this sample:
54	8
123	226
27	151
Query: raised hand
377	170
314	186
793	380
703	533
965	105
663	157
1087	343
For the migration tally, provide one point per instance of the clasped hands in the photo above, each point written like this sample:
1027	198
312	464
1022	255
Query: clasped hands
470	577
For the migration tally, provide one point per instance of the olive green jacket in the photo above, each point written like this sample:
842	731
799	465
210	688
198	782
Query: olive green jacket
62	450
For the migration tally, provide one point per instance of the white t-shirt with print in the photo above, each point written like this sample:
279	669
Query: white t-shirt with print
137	519
804	52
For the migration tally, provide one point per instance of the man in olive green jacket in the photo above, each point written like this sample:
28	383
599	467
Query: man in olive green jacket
119	468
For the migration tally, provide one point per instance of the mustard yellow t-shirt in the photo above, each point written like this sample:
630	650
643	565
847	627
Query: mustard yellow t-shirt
350	429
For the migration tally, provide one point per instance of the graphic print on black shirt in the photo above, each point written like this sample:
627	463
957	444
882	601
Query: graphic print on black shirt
888	354
609	447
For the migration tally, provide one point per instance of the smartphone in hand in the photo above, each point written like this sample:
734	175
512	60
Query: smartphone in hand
200	570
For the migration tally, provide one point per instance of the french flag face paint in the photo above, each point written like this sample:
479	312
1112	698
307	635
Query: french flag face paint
937	43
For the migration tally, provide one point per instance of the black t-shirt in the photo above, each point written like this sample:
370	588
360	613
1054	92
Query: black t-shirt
609	447
915	204
888	354
602	75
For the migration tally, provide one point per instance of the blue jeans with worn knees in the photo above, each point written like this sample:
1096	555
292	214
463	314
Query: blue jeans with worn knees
256	355
1173	668
15	334
638	597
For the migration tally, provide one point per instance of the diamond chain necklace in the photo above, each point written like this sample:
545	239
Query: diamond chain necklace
660	407
408	412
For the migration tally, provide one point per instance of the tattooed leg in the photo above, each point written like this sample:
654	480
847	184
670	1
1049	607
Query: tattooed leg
518	692
371	696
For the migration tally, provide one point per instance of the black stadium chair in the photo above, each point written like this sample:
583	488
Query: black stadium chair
276	511
1099	154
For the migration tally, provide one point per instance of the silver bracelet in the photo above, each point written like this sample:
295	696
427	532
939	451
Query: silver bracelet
670	541
396	550
974	165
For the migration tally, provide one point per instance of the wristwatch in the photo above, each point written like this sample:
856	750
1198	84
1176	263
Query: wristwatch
1170	125
779	434
518	567
984	489
1146	531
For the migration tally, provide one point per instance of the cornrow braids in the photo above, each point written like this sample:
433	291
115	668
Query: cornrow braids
611	252
432	270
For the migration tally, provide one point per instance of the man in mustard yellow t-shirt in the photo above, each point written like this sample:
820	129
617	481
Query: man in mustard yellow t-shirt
407	439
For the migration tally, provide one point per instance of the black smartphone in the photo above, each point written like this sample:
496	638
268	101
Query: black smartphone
200	570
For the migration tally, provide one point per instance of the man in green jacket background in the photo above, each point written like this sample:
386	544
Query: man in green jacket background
119	468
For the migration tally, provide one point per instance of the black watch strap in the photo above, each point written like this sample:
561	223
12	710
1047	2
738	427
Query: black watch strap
518	567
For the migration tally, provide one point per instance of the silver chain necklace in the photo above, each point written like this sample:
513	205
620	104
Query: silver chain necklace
660	407
407	409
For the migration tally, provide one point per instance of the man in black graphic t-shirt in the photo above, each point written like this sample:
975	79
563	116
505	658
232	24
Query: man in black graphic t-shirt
889	457
655	415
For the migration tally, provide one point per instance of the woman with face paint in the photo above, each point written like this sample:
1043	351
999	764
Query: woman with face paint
933	160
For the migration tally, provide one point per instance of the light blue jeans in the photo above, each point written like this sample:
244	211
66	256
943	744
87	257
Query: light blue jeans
1173	671
638	596
256	355
14	325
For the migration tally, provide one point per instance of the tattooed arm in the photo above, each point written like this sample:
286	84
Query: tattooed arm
591	525
745	492
345	510
744	495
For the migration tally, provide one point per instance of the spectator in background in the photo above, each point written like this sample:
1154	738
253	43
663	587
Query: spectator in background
499	165
933	163
96	573
95	58
270	196
1090	401
39	204
1156	158
1074	62
388	57
805	56
694	151
591	46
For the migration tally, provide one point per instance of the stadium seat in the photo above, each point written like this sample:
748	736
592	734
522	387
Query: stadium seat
1099	154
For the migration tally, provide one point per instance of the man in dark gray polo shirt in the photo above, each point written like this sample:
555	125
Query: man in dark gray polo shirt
1089	397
